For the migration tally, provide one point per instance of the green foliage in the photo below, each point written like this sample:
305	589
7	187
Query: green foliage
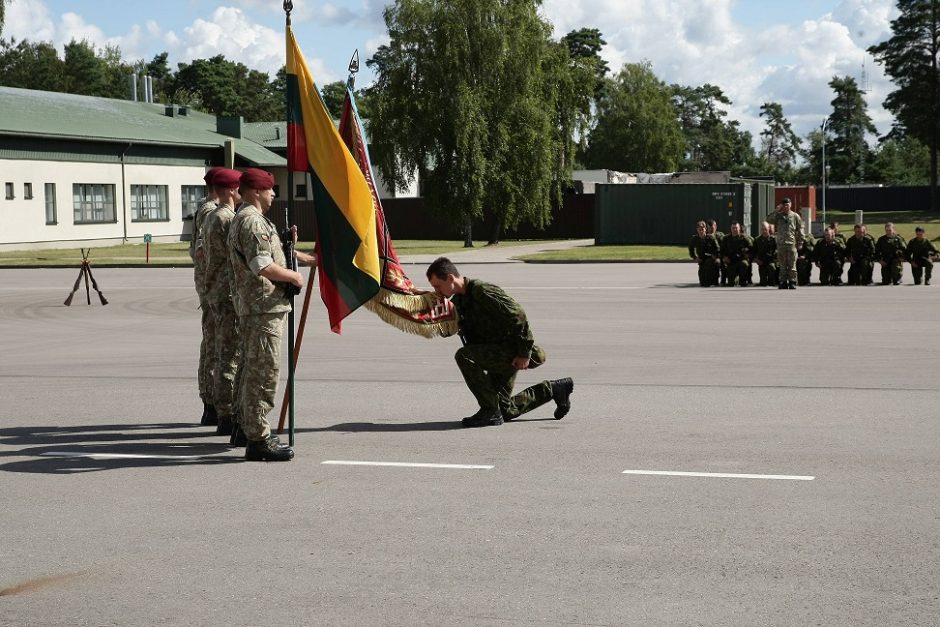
910	58
230	88
471	94
636	128
711	142
779	144
30	65
900	161
849	123
584	47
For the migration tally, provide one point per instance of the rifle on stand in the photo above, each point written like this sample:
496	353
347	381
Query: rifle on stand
85	272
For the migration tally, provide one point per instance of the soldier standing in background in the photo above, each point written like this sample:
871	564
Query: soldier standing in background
259	271
205	370
804	260
829	255
705	250
788	226
921	252
736	256
765	255
890	249
498	343
860	251
218	283
712	228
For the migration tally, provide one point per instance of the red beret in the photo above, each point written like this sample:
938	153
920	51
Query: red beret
253	178
226	178
210	174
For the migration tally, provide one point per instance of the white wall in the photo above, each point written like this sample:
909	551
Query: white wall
24	221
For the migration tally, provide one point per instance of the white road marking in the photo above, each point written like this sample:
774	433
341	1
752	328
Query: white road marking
121	455
338	462
725	475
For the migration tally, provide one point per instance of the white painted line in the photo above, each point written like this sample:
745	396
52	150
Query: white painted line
338	462
121	455
725	475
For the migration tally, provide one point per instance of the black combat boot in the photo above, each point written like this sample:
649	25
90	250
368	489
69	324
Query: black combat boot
225	426
484	418
268	450
561	393
782	286
209	417
791	285
238	437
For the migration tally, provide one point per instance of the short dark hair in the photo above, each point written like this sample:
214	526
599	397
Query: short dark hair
441	268
919	229
712	222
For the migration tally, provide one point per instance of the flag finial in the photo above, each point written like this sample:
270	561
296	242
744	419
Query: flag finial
288	7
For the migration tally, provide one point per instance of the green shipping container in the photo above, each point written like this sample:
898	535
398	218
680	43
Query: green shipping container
666	214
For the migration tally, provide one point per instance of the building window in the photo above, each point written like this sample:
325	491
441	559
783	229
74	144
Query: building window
149	203
28	191
193	196
300	191
93	203
50	204
9	191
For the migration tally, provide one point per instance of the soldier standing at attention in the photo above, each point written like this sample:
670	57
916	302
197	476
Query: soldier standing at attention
218	282
259	271
860	251
736	256
765	255
921	252
890	250
498	344
705	250
788	226
204	375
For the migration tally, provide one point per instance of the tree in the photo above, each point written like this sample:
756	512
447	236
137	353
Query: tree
463	95
849	123
910	58
636	128
779	144
221	86
333	95
84	72
584	47
900	161
30	66
711	142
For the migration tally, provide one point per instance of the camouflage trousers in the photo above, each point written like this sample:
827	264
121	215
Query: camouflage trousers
206	369
786	263
227	350
892	271
488	372
260	336
920	267
860	272
830	272
767	271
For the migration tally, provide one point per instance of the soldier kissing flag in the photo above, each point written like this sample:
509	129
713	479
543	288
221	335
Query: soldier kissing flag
357	262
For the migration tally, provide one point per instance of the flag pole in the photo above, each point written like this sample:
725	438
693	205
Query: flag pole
288	216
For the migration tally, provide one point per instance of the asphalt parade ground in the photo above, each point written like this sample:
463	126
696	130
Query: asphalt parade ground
732	457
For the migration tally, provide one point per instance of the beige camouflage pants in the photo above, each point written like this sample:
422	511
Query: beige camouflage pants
260	336
205	372
786	262
227	350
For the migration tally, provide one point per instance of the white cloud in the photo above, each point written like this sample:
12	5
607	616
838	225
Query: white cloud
27	19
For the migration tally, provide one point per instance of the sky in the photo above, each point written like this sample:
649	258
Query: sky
756	51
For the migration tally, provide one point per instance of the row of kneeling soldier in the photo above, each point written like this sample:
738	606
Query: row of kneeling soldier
242	279
788	260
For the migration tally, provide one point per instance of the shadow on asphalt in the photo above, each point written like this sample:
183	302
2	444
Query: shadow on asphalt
358	427
70	450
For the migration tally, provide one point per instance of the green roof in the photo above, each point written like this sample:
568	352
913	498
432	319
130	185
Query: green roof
58	116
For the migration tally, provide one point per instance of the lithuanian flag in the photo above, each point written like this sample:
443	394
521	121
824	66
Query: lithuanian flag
347	249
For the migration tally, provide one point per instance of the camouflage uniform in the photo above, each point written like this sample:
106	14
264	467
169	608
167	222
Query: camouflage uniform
262	307
495	330
737	249
765	251
919	253
707	250
804	260
829	255
861	252
218	282
789	234
206	367
890	252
